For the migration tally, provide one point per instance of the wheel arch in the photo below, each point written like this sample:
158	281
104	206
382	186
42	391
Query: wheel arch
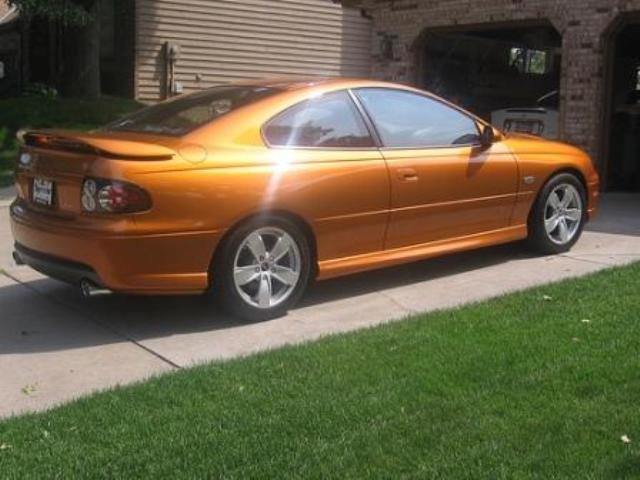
298	220
573	170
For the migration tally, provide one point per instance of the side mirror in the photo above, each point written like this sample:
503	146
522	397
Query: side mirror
487	137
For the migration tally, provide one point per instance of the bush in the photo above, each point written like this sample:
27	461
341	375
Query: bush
42	108
48	111
40	89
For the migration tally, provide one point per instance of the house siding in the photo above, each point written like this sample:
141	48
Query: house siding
10	51
222	41
4	8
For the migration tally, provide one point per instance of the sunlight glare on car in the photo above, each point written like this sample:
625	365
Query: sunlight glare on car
285	158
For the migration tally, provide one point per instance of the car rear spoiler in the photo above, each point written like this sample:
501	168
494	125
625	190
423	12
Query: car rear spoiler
95	144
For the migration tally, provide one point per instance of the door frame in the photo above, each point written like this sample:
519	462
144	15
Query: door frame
609	41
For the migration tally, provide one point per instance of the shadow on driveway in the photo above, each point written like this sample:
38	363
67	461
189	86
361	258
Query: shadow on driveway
48	316
619	215
28	327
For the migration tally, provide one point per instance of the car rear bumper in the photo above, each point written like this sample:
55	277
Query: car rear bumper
160	263
60	269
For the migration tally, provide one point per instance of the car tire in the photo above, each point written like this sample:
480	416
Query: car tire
558	215
262	269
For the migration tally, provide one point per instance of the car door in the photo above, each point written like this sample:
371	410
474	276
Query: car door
444	185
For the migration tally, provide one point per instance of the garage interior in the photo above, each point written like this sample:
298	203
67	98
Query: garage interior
623	152
490	68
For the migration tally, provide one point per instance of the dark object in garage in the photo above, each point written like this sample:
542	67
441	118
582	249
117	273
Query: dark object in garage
624	150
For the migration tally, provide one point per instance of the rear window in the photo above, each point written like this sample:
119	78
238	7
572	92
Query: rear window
183	114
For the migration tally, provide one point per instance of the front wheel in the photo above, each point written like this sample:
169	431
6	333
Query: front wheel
559	215
263	269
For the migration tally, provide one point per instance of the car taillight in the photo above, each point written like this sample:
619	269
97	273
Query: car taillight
113	196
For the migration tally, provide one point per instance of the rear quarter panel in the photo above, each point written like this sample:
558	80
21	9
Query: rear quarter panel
342	196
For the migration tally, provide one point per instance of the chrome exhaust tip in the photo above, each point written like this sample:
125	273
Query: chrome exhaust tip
90	289
17	258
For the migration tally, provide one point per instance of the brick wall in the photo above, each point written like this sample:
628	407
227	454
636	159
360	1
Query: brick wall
583	24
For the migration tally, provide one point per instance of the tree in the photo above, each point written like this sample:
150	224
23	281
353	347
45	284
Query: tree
81	41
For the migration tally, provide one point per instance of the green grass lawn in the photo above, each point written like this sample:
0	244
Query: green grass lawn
541	384
45	112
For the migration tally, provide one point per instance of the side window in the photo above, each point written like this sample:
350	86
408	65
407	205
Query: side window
329	121
405	120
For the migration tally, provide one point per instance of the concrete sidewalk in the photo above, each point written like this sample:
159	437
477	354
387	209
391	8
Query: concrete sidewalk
7	194
54	346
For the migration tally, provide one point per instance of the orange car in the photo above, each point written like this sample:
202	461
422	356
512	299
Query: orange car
251	190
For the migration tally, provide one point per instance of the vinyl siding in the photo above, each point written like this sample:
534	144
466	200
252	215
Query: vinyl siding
7	13
226	40
4	8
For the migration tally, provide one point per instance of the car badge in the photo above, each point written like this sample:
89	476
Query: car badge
26	160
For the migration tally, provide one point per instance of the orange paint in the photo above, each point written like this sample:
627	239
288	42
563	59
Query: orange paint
365	208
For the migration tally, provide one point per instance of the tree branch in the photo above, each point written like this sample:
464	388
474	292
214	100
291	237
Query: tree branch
68	12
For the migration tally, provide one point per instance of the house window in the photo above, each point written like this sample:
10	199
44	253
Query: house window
529	61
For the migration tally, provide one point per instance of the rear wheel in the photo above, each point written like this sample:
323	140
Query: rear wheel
263	269
558	216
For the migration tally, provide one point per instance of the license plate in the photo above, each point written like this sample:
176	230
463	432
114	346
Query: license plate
525	127
42	192
534	127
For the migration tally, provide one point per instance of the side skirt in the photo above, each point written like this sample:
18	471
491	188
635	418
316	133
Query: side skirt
385	258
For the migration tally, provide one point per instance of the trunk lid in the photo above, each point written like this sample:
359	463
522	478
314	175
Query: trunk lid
52	164
115	145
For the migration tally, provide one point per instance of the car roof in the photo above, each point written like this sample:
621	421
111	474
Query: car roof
298	83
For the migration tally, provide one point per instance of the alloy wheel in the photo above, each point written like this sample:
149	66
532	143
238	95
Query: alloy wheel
267	267
563	214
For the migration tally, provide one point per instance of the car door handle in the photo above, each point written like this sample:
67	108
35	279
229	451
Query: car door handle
407	174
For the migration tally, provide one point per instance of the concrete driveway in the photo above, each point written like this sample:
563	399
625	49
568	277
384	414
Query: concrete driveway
55	346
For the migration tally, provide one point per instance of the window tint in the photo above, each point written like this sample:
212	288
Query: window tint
330	121
405	119
186	113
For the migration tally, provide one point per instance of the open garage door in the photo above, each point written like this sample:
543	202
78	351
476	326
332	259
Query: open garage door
509	75
623	125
